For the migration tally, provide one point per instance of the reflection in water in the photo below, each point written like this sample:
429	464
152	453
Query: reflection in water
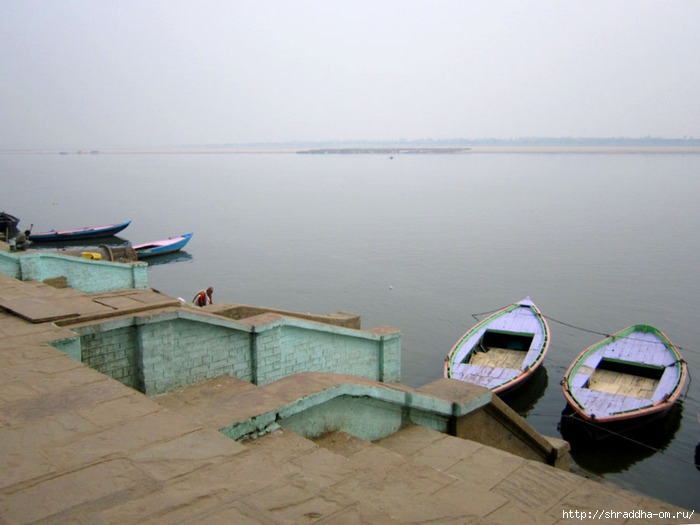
525	397
615	448
59	246
168	258
113	242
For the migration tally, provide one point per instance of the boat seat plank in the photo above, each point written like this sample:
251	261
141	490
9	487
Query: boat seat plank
604	403
666	384
496	373
580	380
593	361
483	376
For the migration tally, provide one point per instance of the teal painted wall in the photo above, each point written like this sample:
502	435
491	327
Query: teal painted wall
368	411
82	274
180	352
114	353
112	348
9	265
156	354
70	346
301	346
365	418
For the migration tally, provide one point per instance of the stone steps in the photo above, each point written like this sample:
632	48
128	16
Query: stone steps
368	483
428	475
419	475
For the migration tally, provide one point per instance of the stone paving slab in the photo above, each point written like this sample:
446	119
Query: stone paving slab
57	494
212	402
38	310
282	446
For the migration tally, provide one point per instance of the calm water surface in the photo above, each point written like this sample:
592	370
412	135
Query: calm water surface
422	242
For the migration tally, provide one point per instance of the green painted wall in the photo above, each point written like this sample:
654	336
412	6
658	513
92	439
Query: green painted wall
363	417
81	274
181	351
115	354
156	354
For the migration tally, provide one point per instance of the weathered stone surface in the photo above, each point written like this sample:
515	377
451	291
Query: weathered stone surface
69	490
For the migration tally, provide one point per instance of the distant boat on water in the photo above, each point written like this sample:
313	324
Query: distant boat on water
90	232
162	247
7	221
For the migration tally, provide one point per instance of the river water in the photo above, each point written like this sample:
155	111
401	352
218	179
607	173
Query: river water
424	243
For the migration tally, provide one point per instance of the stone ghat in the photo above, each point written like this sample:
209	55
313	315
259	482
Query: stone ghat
80	447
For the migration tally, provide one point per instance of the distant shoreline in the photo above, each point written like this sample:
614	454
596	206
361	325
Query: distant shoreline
410	150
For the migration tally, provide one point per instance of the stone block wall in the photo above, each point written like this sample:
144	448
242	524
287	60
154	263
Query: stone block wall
81	274
115	353
157	353
180	352
390	361
303	347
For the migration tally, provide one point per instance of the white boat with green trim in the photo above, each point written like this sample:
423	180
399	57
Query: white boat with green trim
503	350
634	373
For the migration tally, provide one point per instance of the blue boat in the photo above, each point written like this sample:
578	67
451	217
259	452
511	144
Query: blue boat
89	232
169	245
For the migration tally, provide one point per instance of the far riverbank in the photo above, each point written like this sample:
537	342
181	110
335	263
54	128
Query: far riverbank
607	150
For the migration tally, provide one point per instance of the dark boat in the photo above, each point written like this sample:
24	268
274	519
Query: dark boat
7	221
90	232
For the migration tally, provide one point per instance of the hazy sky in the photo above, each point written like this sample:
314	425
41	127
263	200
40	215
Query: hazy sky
135	73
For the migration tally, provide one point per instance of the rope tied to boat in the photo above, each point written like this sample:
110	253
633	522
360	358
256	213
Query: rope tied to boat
477	316
575	327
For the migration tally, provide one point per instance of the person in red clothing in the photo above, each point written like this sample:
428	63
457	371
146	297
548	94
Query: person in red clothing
204	297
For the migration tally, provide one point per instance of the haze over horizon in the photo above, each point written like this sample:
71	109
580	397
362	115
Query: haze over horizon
79	74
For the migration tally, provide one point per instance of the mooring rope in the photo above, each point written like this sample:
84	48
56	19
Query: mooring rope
476	316
621	436
575	327
631	440
618	435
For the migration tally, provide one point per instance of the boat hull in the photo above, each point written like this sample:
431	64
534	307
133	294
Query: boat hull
162	247
7	221
635	373
502	351
90	232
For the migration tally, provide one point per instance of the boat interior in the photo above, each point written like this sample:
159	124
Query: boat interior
626	379
500	350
